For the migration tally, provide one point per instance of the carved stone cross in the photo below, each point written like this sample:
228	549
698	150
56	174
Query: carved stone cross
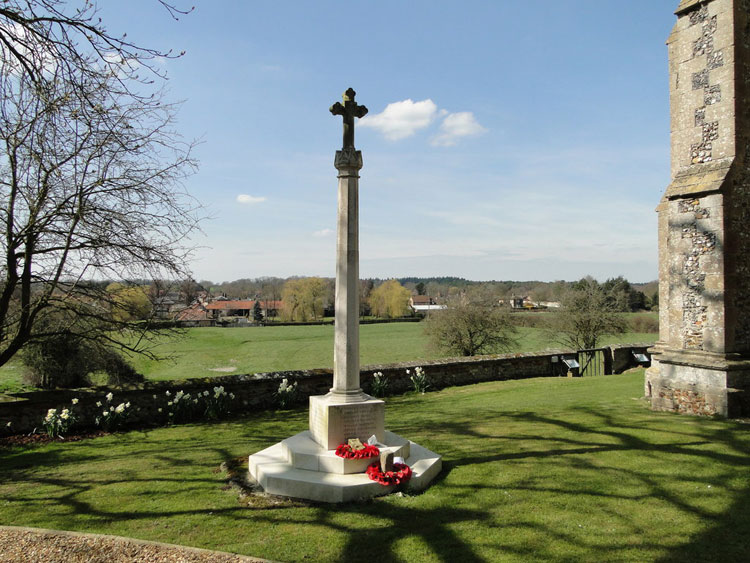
349	110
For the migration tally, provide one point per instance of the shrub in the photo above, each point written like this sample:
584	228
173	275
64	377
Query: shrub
66	359
644	324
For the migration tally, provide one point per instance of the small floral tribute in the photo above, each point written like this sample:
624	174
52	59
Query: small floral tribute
348	452
401	474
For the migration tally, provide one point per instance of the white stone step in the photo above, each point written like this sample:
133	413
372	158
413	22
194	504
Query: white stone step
303	452
274	470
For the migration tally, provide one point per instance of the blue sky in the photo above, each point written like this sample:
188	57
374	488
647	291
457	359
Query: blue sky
506	140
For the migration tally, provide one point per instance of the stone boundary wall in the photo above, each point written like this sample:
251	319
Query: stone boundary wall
255	392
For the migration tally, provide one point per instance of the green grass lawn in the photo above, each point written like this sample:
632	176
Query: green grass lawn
261	349
543	469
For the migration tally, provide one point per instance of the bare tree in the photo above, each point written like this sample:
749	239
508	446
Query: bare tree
467	329
587	314
91	174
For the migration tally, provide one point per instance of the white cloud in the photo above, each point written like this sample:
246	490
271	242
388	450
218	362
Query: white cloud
250	199
455	126
323	233
402	119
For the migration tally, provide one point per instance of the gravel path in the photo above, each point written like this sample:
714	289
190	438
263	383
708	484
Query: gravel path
34	545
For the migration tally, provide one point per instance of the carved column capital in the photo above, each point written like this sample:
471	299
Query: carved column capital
348	158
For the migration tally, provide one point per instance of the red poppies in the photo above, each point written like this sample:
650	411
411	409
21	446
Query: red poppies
401	474
346	451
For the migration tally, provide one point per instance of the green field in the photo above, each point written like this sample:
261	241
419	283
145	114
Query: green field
537	470
203	352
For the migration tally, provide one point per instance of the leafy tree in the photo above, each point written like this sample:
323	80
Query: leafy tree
365	288
90	172
655	301
420	287
469	329
129	303
390	300
257	312
587	314
303	299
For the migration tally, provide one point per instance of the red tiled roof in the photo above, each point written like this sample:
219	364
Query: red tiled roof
193	313
244	304
421	300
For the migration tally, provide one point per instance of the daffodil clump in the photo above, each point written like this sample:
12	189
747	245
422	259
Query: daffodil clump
286	394
419	380
111	417
58	422
217	403
183	407
379	384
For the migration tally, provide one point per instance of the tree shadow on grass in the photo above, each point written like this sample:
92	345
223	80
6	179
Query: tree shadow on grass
590	444
725	535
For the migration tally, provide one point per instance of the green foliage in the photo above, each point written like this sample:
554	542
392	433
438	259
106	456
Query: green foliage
129	303
257	312
389	300
643	322
304	299
65	359
469	329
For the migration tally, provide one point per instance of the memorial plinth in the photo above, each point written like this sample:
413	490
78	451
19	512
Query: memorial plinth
305	466
333	422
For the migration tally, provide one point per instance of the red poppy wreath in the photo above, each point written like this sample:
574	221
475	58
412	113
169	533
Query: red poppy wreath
401	474
347	452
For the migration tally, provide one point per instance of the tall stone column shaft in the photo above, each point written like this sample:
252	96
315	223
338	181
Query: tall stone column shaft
346	343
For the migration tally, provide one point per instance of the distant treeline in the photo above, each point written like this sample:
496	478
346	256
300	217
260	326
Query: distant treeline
629	296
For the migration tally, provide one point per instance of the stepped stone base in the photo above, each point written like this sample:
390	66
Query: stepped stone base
299	467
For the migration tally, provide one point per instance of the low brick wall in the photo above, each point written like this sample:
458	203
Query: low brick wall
255	392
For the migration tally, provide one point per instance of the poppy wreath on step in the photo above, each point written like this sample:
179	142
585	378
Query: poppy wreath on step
401	474
347	452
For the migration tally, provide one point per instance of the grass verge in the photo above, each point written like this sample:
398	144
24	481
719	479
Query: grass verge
543	469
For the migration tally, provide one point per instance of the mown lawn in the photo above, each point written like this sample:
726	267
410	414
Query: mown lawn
203	352
543	469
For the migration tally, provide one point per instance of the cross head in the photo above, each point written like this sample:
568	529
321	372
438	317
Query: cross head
349	110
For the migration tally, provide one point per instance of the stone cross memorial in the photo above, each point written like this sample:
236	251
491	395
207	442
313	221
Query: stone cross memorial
346	412
306	465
